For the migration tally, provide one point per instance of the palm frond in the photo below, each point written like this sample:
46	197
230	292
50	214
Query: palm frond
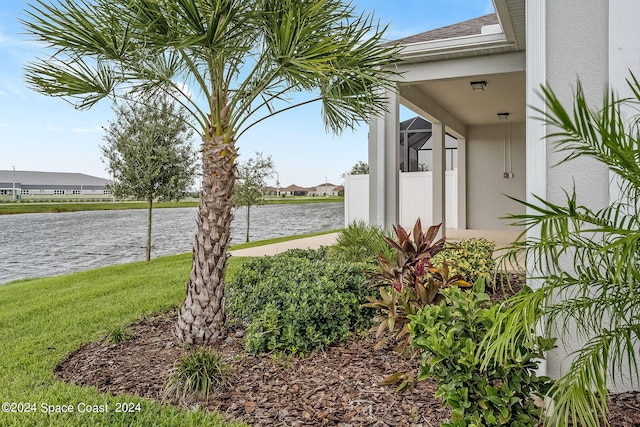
82	83
586	262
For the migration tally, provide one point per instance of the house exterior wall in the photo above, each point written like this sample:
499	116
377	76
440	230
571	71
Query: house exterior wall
577	47
624	55
486	186
575	26
384	164
33	186
325	190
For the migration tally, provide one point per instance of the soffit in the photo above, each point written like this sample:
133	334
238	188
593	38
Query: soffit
504	93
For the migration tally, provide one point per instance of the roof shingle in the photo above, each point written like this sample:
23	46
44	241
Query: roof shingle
461	29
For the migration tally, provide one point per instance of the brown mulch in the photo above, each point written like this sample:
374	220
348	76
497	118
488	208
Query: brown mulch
338	387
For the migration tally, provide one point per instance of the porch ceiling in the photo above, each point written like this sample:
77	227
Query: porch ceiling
504	93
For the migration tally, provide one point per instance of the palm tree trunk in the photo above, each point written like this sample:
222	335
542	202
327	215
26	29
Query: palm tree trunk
248	221
150	200
202	316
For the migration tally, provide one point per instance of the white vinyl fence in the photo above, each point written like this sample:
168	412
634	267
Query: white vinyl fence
415	198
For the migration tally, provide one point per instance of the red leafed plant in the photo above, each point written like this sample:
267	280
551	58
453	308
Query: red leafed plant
410	283
407	286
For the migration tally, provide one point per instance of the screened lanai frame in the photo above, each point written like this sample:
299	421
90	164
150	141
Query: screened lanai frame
417	154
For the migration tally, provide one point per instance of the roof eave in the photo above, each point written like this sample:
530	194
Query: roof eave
466	45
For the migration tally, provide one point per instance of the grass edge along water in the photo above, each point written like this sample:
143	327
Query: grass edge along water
43	320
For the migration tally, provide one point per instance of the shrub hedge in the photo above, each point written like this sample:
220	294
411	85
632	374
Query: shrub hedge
297	302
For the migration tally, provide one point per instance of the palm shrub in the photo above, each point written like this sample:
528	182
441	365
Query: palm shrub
231	64
196	374
359	242
449	334
588	257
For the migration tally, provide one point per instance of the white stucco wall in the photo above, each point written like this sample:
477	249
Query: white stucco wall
579	43
486	185
577	47
624	54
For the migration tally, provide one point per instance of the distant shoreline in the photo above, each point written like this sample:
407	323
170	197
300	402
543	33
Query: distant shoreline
57	207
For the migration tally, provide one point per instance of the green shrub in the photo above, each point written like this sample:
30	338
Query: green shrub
297	305
359	242
469	258
449	335
196	374
319	254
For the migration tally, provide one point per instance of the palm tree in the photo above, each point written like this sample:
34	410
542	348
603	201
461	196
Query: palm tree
587	262
244	59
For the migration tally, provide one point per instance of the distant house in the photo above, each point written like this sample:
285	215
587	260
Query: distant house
34	185
271	191
294	190
326	189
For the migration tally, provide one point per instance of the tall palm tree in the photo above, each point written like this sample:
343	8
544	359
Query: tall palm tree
587	262
244	59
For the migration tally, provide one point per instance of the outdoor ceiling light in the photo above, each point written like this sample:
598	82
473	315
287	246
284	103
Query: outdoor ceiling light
478	86
503	116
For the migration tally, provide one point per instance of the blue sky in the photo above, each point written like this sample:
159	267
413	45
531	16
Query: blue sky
41	133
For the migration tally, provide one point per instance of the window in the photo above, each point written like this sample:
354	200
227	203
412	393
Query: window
24	192
76	192
58	192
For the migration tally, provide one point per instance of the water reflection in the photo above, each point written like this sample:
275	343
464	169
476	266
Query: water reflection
38	245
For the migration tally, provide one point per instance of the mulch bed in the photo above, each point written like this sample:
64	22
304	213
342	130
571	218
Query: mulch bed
338	387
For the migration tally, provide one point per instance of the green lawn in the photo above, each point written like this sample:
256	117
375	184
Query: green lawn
35	207
43	320
18	208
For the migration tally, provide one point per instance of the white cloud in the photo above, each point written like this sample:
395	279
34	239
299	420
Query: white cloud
14	89
86	130
6	41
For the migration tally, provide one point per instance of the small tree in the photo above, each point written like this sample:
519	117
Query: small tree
149	154
360	168
251	183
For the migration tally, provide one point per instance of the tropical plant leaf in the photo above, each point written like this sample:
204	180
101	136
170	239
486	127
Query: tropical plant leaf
586	269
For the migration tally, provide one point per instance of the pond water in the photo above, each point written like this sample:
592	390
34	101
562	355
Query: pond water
39	245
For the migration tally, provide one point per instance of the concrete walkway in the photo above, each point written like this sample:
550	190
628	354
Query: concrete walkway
501	237
275	248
